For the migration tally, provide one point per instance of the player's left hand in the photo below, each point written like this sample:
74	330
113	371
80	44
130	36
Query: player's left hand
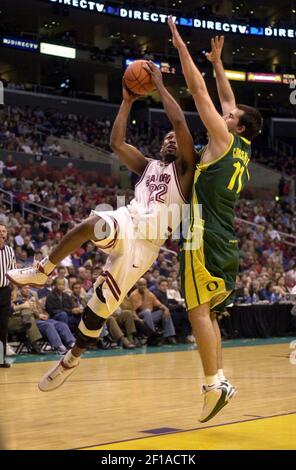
128	95
177	40
217	46
155	73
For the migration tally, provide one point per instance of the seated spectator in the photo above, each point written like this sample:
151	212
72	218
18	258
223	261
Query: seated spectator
10	167
45	291
79	303
62	274
83	276
119	324
280	288
22	259
177	310
20	238
255	291
3	217
57	333
89	252
59	304
173	292
23	321
268	293
28	247
152	311
144	334
247	299
239	292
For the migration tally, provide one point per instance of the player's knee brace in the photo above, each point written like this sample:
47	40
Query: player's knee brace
89	328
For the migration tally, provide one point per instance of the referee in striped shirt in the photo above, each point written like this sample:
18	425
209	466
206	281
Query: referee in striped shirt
7	262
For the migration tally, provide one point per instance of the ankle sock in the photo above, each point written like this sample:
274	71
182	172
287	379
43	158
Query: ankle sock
70	360
211	380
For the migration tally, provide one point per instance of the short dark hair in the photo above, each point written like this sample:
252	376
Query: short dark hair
161	279
76	284
251	119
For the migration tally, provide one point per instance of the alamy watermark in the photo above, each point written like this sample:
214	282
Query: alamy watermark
156	223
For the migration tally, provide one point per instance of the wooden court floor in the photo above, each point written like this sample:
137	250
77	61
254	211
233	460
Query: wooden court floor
152	401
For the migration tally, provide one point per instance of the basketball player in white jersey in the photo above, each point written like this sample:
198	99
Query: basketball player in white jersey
131	235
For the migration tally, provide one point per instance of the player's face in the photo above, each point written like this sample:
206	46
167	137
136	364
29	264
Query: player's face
169	148
232	120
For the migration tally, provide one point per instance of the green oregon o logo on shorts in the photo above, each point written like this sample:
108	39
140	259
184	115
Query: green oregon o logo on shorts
213	285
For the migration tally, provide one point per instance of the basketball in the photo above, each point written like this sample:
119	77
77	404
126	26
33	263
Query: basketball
137	79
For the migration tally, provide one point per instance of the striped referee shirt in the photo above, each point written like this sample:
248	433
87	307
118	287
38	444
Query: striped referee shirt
7	262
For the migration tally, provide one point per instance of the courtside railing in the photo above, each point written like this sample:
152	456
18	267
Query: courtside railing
29	207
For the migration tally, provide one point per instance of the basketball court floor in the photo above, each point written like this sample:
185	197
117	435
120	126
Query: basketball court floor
150	399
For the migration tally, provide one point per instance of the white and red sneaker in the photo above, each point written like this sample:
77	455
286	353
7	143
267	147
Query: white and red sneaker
33	276
215	398
58	374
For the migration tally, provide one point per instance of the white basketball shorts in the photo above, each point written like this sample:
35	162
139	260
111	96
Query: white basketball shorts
129	257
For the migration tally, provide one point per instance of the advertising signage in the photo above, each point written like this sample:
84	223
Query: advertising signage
191	22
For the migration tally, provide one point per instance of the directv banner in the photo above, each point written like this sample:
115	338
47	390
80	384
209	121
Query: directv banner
156	17
19	43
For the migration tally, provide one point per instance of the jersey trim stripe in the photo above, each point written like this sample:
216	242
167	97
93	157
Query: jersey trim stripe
193	276
115	285
206	165
178	183
245	140
108	282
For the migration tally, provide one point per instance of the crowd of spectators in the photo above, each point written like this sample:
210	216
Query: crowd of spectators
27	130
276	161
267	245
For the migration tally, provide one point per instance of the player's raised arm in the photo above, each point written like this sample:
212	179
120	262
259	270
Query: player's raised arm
225	92
175	115
128	154
214	123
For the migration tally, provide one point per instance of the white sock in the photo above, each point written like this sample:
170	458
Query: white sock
221	375
47	266
70	360
211	380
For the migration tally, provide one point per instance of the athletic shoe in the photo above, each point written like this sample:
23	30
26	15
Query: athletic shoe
61	350
10	351
57	375
215	398
32	276
5	365
231	389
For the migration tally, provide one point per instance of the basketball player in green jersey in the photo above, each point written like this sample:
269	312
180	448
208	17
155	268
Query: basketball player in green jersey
209	256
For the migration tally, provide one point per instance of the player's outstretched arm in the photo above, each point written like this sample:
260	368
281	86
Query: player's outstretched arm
225	92
175	115
128	154
214	123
